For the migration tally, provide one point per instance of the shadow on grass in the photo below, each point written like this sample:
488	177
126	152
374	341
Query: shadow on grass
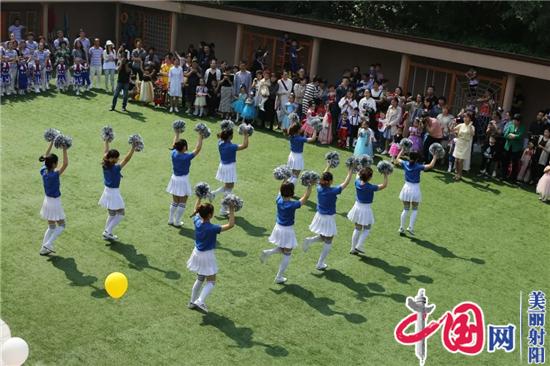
476	182
242	336
138	261
363	291
321	304
77	278
400	273
249	227
442	251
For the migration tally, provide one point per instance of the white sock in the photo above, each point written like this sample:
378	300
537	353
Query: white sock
355	238
179	213
49	231
196	289
205	292
117	219
269	252
413	218
324	253
220	189
55	234
109	223
283	265
362	238
173	207
293	179
404	217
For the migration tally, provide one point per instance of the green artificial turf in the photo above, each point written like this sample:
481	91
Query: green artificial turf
476	240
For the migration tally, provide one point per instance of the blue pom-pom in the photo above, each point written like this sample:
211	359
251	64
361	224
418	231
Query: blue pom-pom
136	141
316	123
384	167
202	190
62	142
437	150
178	125
293	118
356	163
50	134
232	200
227	125
246	127
310	178
107	134
406	144
332	158
282	172
203	130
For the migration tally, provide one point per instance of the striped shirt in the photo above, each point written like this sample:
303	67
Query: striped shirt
311	92
95	56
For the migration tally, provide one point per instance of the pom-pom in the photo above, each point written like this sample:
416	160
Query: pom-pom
202	190
316	123
310	178
203	130
333	159
178	125
293	118
136	141
62	142
227	125
232	201
50	134
282	172
246	127
384	167
107	134
437	150
406	144
356	163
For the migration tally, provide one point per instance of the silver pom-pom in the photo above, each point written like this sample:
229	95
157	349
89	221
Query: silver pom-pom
437	150
107	134
62	142
406	144
384	167
282	172
310	178
232	200
136	141
227	125
202	190
293	118
246	127
203	130
356	163
178	125
50	134
332	158
316	123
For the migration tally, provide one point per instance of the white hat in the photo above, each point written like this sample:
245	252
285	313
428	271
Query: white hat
109	43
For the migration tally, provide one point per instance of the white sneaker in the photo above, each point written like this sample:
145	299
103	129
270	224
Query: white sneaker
449	170
77	92
280	280
322	267
263	257
360	249
353	252
307	242
176	109
494	175
109	237
175	224
410	230
45	251
191	305
401	231
201	306
171	109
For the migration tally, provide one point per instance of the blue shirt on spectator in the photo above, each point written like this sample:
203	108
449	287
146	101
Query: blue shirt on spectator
181	162
412	171
297	143
205	234
228	152
51	182
286	211
111	176
365	192
326	199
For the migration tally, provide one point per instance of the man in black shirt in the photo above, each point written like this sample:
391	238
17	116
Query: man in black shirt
123	82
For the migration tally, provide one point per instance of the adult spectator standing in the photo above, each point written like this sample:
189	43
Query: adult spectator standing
205	57
268	114
193	76
311	93
284	89
123	52
59	40
123	83
536	128
109	65
212	73
31	44
435	134
138	57
430	96
513	147
86	44
96	58
41	54
10	54
367	105
152	59
17	29
243	77
79	51
463	149
259	60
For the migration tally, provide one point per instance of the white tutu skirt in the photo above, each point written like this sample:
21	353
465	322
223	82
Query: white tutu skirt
52	209
227	173
324	225
410	192
179	186
111	199
295	161
361	214
203	262
283	236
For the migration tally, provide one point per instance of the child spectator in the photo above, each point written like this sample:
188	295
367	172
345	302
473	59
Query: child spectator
343	130
488	160
524	174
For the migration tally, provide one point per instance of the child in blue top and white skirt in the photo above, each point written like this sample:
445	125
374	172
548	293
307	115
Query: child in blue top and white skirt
410	194
295	158
179	186
111	198
361	212
203	259
283	235
324	221
52	210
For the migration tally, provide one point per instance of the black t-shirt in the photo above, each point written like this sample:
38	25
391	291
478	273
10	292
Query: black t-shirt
124	75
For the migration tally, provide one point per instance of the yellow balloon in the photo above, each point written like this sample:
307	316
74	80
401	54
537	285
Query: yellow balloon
116	285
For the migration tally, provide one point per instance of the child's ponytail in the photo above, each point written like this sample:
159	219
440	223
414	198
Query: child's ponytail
49	161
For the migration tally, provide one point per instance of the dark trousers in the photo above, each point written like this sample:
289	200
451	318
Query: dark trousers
353	135
137	70
268	114
124	87
488	165
426	150
512	157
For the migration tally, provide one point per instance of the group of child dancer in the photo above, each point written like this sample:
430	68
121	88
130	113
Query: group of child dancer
203	260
